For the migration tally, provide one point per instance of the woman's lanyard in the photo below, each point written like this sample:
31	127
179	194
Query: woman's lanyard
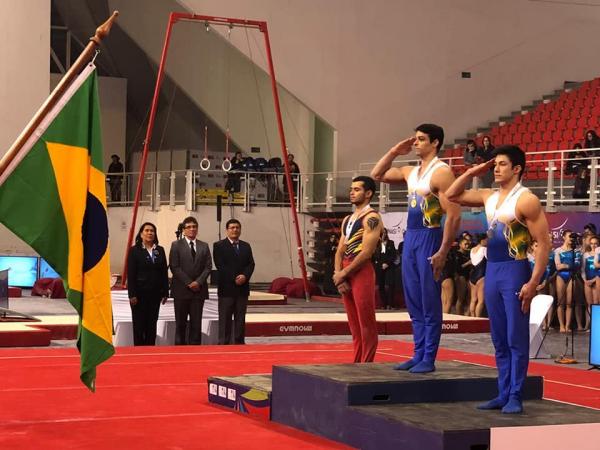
494	221
354	217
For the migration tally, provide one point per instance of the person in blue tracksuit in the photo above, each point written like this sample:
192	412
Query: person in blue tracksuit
426	243
515	218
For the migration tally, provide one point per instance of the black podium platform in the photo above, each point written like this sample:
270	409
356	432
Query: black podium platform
372	406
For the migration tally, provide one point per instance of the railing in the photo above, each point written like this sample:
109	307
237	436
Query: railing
327	191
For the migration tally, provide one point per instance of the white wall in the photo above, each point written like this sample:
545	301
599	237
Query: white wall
113	110
24	63
268	230
374	70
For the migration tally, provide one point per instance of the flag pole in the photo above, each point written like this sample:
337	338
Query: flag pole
86	55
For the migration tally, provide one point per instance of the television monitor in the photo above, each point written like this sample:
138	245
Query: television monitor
22	270
46	271
595	336
4	289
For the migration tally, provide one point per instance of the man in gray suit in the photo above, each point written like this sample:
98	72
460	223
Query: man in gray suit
190	263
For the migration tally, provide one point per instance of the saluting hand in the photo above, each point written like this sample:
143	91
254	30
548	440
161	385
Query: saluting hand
404	147
481	169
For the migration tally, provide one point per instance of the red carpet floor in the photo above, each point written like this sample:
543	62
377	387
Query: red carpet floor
157	397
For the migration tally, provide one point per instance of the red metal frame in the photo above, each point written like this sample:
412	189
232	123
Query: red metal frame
261	26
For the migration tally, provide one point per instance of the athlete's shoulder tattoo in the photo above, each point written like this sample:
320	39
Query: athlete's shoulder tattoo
373	222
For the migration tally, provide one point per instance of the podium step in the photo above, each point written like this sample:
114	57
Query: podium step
377	383
449	426
249	394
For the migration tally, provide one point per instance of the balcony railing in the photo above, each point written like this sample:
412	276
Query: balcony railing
327	191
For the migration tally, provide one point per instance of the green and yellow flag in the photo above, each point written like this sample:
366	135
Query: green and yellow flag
53	196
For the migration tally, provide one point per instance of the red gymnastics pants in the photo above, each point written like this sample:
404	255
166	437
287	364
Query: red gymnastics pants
360	308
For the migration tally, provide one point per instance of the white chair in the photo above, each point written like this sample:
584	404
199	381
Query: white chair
538	310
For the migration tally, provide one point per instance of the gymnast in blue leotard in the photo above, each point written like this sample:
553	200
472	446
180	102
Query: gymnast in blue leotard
548	284
568	262
590	274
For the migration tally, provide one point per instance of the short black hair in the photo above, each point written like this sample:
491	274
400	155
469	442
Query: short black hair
138	237
114	156
190	219
481	237
230	221
590	226
565	231
368	183
514	154
434	132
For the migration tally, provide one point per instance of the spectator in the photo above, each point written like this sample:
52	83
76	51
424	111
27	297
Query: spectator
234	183
115	180
578	166
190	263
477	277
235	263
447	277
590	279
592	141
383	259
568	263
471	153
147	283
463	269
295	174
486	153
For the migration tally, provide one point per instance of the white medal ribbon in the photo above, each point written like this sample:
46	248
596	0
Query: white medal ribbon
428	169
354	217
494	221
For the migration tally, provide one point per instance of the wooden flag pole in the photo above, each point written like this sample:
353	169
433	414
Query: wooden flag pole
101	32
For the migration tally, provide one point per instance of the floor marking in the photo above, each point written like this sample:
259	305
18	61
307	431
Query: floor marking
99	419
122	355
574	385
98	386
569	403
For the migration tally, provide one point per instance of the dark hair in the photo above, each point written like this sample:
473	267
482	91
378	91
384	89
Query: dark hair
577	146
514	154
489	139
368	184
590	226
481	237
564	232
230	221
114	156
190	219
594	142
138	237
434	132
471	141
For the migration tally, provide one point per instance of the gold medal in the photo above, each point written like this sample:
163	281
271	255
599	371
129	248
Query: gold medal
413	203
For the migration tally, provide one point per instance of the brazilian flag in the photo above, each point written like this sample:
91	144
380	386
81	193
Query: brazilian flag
53	196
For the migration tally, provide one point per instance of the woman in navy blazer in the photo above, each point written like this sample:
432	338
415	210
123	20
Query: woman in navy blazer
147	283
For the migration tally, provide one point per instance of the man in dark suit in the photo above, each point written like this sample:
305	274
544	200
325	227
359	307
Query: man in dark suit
235	264
190	263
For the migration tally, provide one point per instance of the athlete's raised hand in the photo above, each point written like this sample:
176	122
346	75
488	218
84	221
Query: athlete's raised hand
481	169
404	147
